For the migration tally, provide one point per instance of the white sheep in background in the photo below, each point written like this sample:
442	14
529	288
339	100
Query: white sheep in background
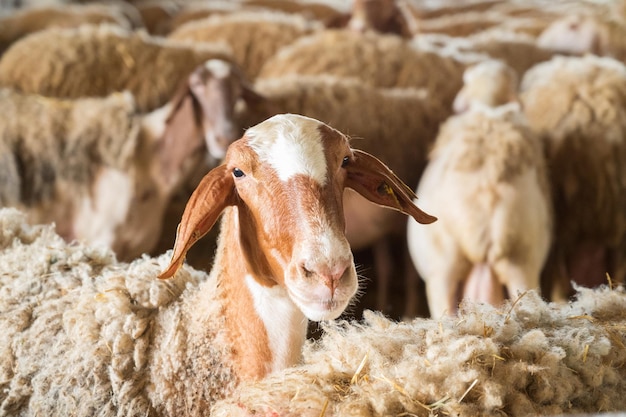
579	34
140	346
489	83
102	60
487	182
100	169
528	357
578	107
253	36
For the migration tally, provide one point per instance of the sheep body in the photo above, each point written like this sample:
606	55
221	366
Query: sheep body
377	59
486	178
577	106
32	19
102	60
528	357
253	36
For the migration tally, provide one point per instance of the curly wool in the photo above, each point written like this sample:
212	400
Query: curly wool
85	335
102	60
46	142
527	357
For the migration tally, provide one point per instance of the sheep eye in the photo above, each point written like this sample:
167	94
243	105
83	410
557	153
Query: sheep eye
346	160
238	173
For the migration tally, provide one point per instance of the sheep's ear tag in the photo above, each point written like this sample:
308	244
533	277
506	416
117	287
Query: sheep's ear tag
368	176
385	190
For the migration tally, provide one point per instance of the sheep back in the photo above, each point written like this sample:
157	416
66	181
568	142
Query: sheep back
376	59
99	60
253	36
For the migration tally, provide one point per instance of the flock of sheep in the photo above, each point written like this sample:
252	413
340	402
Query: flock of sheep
507	119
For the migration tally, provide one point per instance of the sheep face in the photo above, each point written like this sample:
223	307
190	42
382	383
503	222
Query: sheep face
216	86
286	178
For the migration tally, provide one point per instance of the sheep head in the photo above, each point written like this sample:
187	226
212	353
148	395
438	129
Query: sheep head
286	178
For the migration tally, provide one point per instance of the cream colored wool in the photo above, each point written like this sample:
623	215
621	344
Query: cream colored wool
28	20
578	106
527	357
48	142
83	335
99	60
253	36
376	59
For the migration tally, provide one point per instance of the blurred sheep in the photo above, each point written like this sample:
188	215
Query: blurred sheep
578	107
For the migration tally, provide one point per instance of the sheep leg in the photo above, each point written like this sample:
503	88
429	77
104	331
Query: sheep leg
482	285
442	288
517	277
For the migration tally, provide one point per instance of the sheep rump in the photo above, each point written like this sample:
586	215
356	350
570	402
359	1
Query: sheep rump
527	357
103	318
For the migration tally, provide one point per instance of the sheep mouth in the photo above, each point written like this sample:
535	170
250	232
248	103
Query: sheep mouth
319	309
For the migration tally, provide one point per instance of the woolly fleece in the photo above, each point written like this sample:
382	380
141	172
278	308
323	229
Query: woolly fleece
83	335
528	357
253	36
102	60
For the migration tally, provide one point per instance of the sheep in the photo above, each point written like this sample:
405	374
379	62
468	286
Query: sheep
578	107
398	125
100	169
32	19
578	34
253	36
141	346
528	357
102	60
382	60
487	181
490	83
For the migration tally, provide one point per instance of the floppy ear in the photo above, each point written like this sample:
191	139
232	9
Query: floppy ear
375	181
182	138
215	192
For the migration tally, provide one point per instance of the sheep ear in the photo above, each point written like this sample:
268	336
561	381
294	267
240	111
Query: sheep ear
375	181
215	192
182	137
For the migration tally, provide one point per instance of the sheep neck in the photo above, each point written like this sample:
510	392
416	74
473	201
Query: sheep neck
266	329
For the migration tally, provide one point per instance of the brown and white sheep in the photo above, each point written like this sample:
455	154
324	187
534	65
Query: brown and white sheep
99	168
143	347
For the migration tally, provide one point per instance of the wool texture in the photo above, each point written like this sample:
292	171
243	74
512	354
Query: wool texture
527	357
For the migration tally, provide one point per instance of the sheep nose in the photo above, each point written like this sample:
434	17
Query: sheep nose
330	275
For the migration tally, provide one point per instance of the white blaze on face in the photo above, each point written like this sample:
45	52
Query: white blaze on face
292	145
